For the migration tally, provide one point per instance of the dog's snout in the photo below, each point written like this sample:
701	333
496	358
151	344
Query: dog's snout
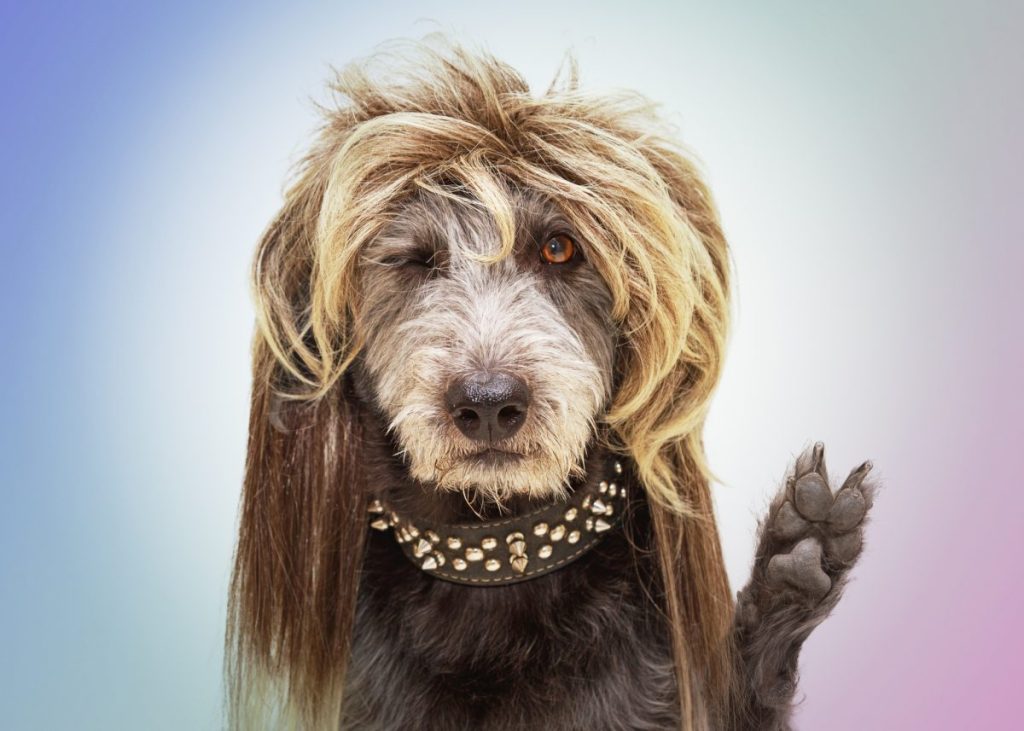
488	407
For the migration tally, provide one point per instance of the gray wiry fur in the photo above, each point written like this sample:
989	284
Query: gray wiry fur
424	328
585	647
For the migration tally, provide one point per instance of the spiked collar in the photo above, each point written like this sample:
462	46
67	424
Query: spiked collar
507	551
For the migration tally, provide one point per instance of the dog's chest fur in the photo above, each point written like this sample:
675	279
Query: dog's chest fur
581	648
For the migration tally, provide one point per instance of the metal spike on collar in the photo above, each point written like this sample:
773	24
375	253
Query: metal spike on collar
517	548
422	548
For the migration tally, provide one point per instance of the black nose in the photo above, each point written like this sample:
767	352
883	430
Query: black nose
488	406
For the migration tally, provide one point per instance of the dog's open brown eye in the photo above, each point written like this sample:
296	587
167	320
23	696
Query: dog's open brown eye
559	249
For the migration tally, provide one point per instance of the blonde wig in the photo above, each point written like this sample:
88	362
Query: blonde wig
438	115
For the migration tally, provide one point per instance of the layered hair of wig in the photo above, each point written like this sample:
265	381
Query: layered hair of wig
430	114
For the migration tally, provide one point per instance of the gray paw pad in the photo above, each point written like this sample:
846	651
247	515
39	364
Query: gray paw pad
847	511
843	549
801	569
789	524
813	497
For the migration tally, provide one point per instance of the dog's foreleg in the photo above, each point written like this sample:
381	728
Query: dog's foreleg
806	546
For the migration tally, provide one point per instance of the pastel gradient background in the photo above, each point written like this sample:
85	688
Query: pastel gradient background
868	165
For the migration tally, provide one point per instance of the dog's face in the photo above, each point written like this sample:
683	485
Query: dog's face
492	375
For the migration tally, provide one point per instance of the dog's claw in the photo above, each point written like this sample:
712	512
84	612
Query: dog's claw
856	477
817	456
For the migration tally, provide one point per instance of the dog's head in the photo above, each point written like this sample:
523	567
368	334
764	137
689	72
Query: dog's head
506	279
491	360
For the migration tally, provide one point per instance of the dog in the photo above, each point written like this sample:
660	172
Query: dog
489	327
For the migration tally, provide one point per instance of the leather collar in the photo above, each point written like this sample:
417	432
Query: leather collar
508	551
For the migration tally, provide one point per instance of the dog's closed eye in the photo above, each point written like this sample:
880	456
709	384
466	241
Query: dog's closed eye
419	261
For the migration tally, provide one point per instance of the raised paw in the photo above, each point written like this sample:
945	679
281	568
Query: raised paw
812	535
807	545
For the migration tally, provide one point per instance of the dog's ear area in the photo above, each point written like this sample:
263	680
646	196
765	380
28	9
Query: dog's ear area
302	515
